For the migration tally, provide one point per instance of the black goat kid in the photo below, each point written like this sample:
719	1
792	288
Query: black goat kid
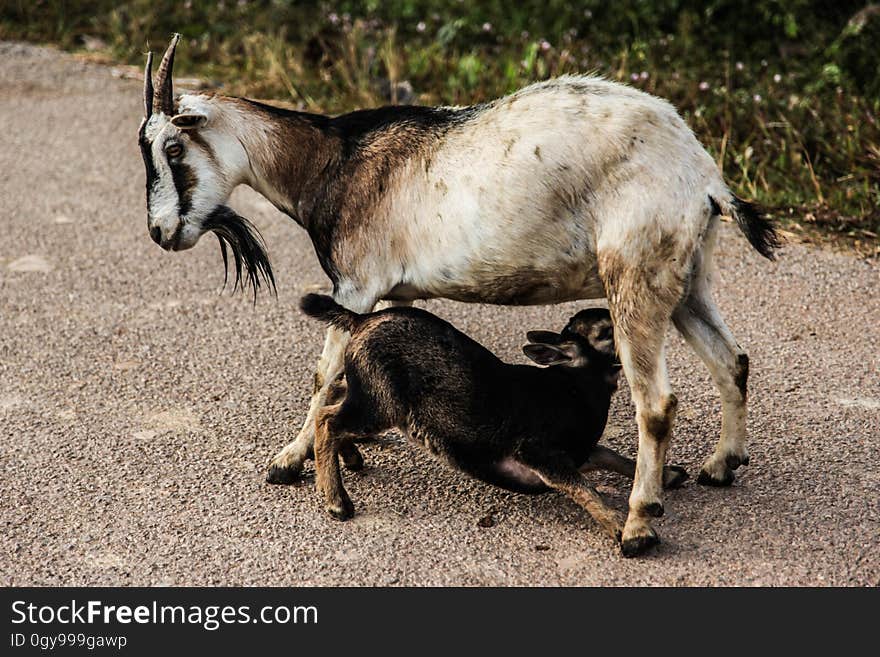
523	428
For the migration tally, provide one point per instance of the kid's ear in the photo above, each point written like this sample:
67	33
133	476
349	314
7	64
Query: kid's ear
543	337
189	121
549	354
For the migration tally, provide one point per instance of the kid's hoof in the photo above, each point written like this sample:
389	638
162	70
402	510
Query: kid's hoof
282	475
342	511
733	461
353	460
355	465
654	509
674	476
632	547
725	479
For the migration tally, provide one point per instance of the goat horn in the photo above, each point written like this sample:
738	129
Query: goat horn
164	98
148	86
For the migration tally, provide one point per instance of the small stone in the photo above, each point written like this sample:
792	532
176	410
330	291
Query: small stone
487	520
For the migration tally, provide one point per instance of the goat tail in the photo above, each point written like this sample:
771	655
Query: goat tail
758	228
324	308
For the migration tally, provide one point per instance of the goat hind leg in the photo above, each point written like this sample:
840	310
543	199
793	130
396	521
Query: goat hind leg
700	323
655	414
641	300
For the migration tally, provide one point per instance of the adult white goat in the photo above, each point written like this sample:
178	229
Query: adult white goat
574	188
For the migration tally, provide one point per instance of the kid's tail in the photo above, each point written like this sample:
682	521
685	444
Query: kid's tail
754	224
324	308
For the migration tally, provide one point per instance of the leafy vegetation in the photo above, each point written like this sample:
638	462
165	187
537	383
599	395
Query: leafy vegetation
784	93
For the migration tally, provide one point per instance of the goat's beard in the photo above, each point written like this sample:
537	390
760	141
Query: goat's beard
237	234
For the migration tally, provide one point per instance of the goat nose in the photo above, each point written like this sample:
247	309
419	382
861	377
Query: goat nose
156	234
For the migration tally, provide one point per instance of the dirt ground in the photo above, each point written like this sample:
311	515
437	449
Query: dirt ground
139	406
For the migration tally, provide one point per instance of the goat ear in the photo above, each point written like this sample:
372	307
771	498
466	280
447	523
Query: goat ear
189	121
543	337
548	354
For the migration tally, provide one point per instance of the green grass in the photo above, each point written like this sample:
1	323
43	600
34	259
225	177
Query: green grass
785	94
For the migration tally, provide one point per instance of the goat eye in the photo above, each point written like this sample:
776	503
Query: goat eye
174	150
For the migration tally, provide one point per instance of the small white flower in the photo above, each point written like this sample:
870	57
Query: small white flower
777	78
333	18
704	86
643	75
487	27
420	26
740	66
757	98
634	77
545	45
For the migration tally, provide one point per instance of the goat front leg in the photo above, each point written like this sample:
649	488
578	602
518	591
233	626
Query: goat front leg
287	464
604	458
699	321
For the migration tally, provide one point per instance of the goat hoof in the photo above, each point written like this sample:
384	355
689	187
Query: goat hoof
282	475
633	547
342	511
733	461
675	476
654	509
707	479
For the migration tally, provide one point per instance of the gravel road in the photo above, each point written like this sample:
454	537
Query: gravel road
139	405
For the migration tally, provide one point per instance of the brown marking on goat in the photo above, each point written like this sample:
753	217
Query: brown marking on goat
508	145
538	153
741	374
369	176
268	150
519	287
441	187
650	118
565	202
659	426
319	382
185	180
